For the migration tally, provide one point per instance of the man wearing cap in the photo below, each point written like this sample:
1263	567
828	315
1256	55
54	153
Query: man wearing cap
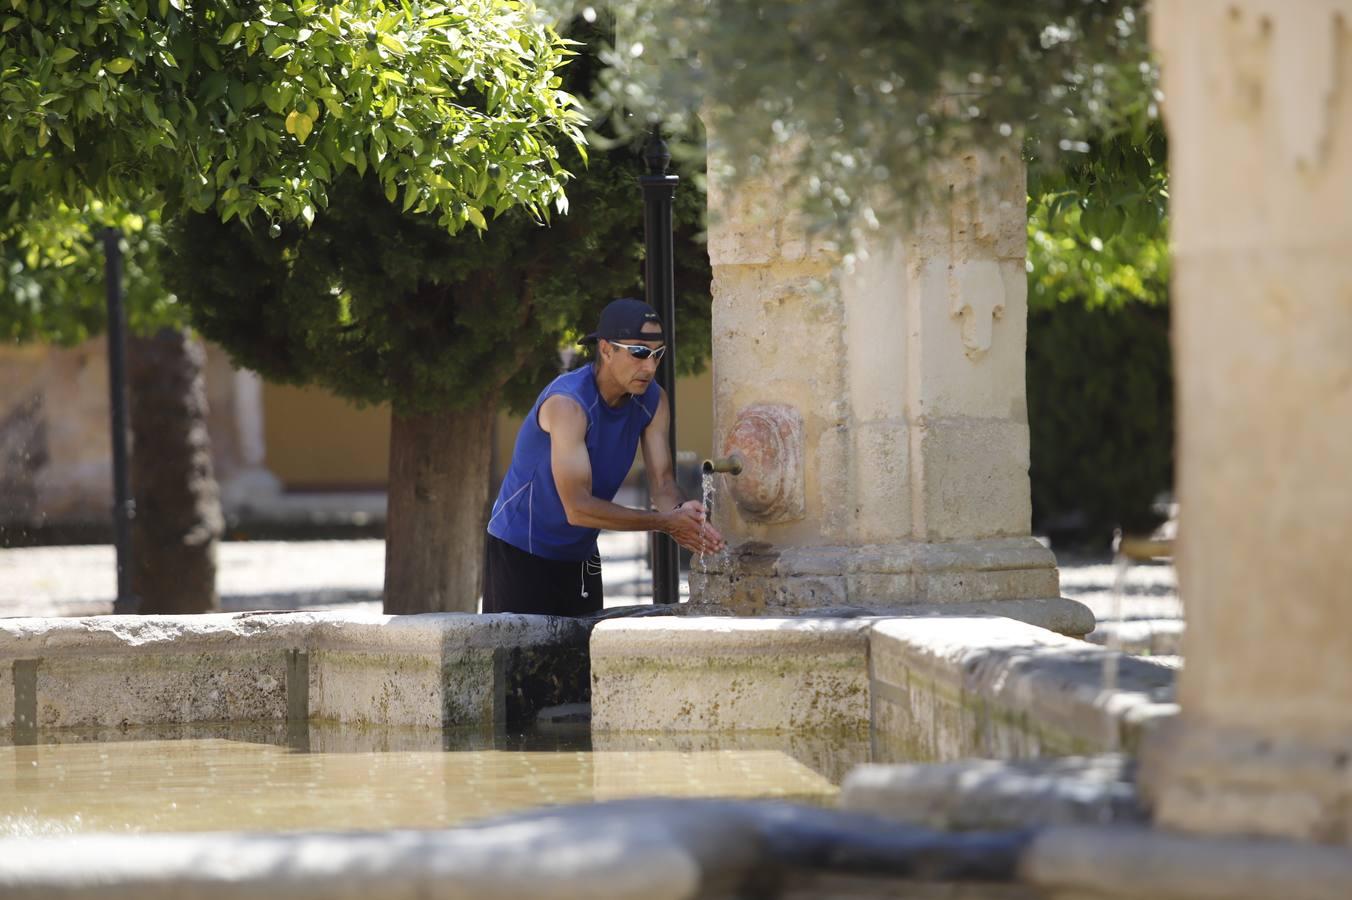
574	449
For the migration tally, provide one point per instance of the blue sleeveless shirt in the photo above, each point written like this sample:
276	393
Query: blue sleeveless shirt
528	513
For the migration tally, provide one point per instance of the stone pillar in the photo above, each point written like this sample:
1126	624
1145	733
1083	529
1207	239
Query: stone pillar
880	414
235	420
1259	108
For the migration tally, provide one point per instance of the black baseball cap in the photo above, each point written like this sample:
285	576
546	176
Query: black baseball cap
623	320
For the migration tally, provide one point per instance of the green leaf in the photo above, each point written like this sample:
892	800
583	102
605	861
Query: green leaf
393	44
10	24
232	33
476	218
118	66
304	124
64	55
291	120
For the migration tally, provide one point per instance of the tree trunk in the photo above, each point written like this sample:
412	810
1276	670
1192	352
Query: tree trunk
178	510
438	503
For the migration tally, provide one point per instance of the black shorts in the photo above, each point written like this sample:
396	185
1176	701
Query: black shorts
520	582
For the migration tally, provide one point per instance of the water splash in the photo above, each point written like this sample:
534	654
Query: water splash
707	485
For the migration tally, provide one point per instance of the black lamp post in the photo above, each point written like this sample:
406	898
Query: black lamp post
659	193
123	505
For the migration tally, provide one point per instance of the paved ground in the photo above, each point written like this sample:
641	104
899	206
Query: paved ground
64	581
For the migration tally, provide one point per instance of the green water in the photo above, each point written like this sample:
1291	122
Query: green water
263	779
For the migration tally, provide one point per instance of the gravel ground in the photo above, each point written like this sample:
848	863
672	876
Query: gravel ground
69	581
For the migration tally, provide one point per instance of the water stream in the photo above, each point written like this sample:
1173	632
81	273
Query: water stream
708	500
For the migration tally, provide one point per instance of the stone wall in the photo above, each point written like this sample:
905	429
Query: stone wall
428	670
928	688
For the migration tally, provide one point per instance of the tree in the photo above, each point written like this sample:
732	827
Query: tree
50	280
257	108
861	97
379	304
1100	383
255	112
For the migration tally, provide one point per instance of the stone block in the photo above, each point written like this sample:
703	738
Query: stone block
995	795
992	686
393	689
735	674
161	687
968	338
877	346
1127	863
973	479
881	481
6	693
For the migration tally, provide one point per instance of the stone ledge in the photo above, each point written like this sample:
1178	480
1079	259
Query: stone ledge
947	688
1058	614
430	670
1108	862
695	674
624	850
978	795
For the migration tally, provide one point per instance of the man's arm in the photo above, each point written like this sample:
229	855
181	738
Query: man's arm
662	486
566	424
657	462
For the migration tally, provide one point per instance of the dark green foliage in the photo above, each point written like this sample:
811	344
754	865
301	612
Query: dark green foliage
1100	406
377	304
52	276
1100	381
862	97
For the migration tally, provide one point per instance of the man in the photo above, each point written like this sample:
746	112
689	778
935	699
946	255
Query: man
573	451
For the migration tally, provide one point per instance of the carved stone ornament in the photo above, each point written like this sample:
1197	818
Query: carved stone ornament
769	440
976	293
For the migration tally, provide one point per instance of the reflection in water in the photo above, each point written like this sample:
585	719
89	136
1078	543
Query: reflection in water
209	779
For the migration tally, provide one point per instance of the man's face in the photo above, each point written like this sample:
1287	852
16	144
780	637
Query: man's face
635	374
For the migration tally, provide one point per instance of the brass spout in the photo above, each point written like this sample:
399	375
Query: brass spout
730	465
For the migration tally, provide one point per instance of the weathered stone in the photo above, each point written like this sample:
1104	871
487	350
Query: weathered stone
988	795
903	578
646	850
1102	863
1258	109
161	687
907	373
430	670
6	693
719	673
948	688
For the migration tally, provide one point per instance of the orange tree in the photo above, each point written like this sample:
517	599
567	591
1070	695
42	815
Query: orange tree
379	303
257	113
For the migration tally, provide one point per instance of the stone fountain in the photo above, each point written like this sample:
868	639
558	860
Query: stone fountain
878	412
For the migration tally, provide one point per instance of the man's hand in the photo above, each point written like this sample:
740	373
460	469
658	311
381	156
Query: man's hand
689	527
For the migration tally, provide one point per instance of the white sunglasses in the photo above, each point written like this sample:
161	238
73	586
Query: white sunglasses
638	351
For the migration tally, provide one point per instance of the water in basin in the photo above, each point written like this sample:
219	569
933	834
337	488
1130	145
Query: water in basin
254	778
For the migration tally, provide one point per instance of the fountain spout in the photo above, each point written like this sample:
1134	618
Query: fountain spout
730	465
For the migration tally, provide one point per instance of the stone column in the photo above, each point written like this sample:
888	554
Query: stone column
880	414
239	450
1259	108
